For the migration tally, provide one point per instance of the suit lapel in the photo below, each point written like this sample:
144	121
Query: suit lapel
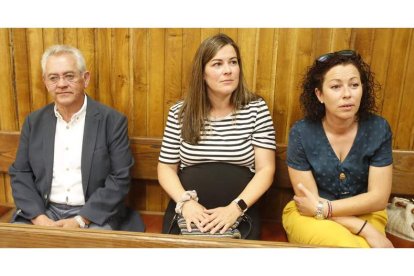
49	143
92	121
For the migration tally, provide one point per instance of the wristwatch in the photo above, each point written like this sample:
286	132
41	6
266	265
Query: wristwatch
241	204
80	221
319	211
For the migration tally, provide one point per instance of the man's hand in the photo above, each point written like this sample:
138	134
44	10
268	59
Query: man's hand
68	223
43	220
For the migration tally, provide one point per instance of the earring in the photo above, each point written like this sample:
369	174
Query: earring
321	102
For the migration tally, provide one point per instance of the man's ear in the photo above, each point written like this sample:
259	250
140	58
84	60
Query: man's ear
86	78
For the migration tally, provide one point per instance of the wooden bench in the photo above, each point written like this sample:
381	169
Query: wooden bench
19	236
146	151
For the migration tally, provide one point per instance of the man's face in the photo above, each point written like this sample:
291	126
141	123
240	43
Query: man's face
64	81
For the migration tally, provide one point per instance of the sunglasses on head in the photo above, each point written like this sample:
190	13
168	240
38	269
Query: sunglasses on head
327	56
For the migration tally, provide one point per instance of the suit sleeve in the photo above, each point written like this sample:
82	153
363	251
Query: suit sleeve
103	202
28	200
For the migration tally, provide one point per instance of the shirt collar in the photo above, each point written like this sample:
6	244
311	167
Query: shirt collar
80	112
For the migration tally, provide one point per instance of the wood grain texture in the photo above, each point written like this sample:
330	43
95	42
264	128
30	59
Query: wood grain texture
103	74
393	91
38	92
8	118
29	236
21	75
140	86
157	114
86	44
173	67
142	72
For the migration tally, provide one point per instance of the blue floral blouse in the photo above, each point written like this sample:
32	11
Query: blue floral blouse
309	149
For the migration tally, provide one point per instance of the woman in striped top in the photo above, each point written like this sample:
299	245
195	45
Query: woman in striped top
217	156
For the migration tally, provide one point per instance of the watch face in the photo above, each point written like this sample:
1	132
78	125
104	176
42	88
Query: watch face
242	204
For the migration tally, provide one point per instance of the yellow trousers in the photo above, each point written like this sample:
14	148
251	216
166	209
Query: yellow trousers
308	230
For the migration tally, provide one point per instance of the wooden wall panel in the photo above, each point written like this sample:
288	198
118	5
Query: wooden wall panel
103	74
86	44
173	66
231	32
363	39
8	111
35	50
247	41
21	75
142	72
322	41
206	32
70	37
393	90
301	59
340	39
266	66
381	49
405	122
156	112
191	41
120	72
284	81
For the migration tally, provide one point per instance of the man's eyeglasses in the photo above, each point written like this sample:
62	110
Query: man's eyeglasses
68	78
327	56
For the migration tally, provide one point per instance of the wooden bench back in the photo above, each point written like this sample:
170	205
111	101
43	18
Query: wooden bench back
146	151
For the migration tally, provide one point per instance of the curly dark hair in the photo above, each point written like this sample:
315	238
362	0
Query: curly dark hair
310	105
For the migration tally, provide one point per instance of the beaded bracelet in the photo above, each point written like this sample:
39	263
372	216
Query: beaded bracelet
329	214
363	225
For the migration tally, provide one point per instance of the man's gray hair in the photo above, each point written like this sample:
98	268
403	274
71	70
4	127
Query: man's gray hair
56	50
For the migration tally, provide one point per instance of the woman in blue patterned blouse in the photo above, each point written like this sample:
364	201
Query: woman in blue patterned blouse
339	158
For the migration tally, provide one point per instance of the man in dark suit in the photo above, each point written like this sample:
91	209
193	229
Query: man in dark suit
72	168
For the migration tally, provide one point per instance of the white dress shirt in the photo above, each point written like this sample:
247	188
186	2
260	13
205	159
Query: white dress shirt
67	175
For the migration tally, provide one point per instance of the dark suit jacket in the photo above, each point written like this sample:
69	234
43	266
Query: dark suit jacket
105	165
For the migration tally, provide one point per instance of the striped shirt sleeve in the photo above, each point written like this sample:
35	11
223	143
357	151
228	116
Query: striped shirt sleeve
264	132
170	148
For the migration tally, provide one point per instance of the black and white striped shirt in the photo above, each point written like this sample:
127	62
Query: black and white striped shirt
229	139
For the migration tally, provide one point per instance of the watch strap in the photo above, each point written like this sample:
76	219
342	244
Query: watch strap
80	221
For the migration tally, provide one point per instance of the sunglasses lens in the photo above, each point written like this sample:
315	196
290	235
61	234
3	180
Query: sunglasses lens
324	57
327	56
346	53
